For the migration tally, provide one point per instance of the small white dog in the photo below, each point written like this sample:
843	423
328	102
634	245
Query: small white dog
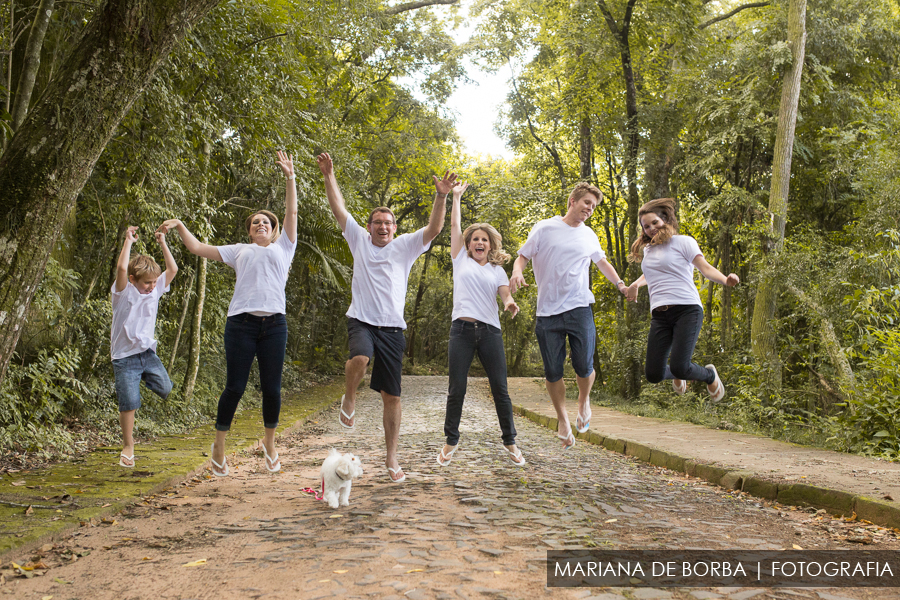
338	472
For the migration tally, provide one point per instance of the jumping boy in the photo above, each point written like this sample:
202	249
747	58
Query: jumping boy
135	300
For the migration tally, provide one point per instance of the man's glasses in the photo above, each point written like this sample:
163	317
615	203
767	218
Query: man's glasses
380	223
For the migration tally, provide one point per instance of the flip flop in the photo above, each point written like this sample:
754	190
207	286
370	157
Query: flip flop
224	464
585	424
123	458
346	416
679	389
393	472
516	457
565	439
714	397
444	459
276	464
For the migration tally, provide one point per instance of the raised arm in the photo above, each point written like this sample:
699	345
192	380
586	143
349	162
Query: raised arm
124	257
517	280
332	191
193	245
610	273
457	242
286	162
171	266
439	210
713	274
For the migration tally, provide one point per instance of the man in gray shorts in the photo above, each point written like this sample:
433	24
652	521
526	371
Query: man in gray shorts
381	266
562	249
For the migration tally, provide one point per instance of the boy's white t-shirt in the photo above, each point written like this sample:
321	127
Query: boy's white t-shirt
475	289
669	271
380	275
134	319
562	257
262	273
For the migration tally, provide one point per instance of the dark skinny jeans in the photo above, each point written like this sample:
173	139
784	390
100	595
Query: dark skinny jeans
467	338
673	335
247	336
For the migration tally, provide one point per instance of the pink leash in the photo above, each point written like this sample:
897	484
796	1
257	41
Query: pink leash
317	495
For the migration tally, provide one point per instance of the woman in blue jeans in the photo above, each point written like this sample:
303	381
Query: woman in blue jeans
668	261
477	279
256	325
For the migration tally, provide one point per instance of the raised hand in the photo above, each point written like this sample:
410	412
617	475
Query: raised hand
325	164
160	237
131	234
286	162
446	183
732	280
459	188
168	226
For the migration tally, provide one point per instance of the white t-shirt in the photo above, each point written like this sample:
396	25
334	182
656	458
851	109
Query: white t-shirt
669	271
562	257
262	273
380	275
134	319
475	289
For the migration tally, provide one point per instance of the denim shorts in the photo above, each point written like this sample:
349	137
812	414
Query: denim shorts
131	370
384	346
576	324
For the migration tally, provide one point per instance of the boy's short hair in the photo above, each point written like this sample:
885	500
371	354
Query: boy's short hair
582	189
141	266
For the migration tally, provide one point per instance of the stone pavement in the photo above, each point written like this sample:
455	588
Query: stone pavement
475	529
843	484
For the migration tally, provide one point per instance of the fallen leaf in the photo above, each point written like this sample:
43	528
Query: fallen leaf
196	563
796	547
324	580
610	520
341	572
146	558
29	511
498	572
61	580
105	505
415	570
18	482
335	516
46	597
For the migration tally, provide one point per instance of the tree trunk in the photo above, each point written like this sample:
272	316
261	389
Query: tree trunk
414	321
53	153
762	334
184	311
32	62
193	362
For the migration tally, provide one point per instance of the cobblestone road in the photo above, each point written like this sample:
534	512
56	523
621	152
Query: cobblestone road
477	528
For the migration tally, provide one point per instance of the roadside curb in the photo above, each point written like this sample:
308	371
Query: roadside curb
59	529
836	502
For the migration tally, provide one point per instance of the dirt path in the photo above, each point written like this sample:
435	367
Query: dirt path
478	528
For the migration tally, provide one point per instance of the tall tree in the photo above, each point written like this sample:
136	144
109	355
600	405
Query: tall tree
53	153
762	334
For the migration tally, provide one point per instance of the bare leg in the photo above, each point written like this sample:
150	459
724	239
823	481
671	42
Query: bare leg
584	395
218	453
391	421
126	420
354	372
269	442
557	391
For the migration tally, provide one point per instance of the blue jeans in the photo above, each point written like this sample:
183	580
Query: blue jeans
131	370
673	335
247	336
467	338
576	324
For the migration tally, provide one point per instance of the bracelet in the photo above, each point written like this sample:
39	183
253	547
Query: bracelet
618	282
291	176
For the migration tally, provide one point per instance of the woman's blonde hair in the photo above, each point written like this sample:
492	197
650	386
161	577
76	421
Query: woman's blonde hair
272	219
664	208
496	256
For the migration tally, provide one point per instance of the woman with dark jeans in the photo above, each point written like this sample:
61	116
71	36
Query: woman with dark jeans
477	279
668	261
256	325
